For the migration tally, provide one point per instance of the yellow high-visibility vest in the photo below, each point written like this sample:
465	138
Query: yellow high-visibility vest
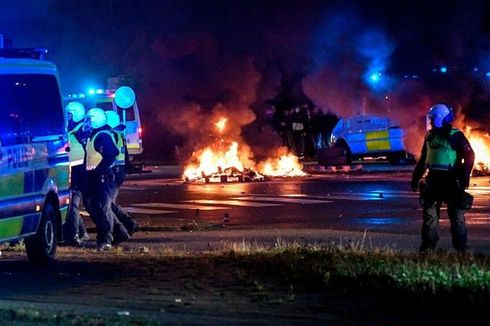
440	154
76	152
93	157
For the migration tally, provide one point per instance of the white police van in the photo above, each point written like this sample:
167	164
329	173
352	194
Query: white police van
34	163
364	136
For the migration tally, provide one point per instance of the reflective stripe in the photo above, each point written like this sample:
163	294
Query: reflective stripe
11	227
378	140
76	152
120	158
12	185
93	157
75	163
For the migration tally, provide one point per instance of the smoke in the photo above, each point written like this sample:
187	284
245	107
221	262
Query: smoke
365	62
191	62
201	84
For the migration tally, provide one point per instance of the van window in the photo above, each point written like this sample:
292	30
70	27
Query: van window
129	113
30	106
106	106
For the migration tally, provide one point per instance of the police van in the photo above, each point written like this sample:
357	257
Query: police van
363	136
34	163
123	101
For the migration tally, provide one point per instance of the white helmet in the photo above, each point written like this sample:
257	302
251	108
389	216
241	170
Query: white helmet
77	111
113	119
440	114
97	118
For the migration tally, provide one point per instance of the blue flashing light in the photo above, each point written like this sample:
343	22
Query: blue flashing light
91	91
99	91
375	77
443	69
487	74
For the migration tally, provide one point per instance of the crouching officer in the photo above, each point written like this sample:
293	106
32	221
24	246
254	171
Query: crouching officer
449	158
74	231
114	122
101	152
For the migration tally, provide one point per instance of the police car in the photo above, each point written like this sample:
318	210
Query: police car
364	136
34	163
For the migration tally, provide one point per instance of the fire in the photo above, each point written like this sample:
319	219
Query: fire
221	124
225	158
211	162
480	142
286	165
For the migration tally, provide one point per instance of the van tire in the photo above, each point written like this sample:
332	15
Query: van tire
346	151
41	247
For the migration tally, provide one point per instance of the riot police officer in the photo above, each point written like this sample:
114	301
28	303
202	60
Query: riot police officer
448	157
74	231
114	122
101	153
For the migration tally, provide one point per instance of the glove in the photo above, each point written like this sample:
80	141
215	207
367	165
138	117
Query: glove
414	185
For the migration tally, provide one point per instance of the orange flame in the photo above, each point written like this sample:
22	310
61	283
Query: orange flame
221	124
213	159
214	162
480	142
287	165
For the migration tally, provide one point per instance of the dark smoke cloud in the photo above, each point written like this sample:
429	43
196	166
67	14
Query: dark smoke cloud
403	39
192	60
203	83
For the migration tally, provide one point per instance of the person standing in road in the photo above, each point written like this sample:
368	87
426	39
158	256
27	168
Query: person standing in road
114	122
101	153
448	157
74	232
298	127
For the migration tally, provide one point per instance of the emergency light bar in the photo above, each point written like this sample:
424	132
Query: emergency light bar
28	53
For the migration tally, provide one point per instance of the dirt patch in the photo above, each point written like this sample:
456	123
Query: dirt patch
155	286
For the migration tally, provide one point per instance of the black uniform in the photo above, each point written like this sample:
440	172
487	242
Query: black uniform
101	188
444	185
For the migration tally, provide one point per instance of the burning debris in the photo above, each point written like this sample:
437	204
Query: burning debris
225	160
480	142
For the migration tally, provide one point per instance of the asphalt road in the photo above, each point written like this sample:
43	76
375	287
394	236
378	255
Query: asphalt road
375	201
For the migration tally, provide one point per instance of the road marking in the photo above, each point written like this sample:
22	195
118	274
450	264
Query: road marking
133	188
376	195
350	196
284	200
147	211
137	211
232	203
180	206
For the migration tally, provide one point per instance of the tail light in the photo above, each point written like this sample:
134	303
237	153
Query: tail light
140	132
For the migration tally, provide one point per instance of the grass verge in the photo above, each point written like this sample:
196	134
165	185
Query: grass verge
252	275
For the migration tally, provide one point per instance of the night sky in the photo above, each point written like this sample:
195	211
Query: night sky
191	60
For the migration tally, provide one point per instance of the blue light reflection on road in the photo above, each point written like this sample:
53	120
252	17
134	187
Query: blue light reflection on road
375	221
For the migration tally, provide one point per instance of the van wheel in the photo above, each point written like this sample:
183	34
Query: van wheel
41	247
346	151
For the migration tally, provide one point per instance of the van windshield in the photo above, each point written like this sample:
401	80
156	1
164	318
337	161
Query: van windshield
30	106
